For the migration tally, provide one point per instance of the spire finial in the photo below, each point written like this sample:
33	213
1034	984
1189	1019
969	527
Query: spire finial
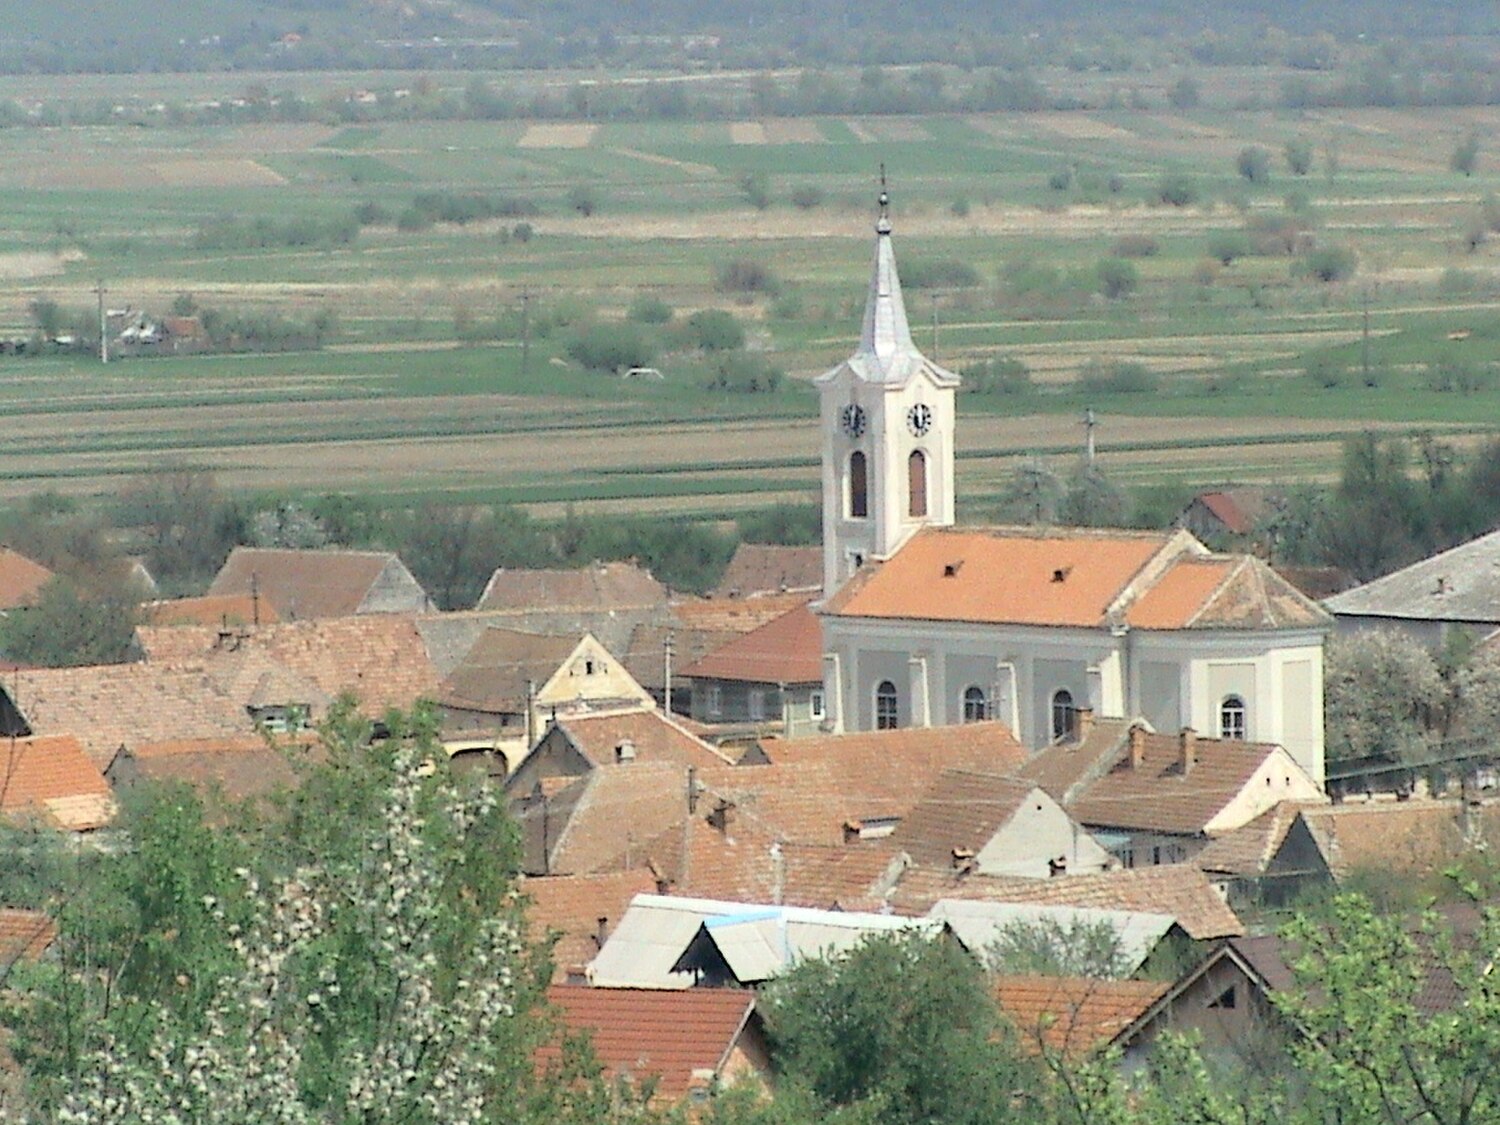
883	224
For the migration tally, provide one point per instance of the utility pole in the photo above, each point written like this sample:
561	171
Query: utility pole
103	324
1364	345
667	661
934	327
525	332
1089	422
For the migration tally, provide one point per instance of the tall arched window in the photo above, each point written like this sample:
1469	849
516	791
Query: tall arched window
886	714
1064	715
976	706
859	486
1232	717
916	483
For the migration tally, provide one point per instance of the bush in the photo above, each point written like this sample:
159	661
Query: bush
611	347
1457	377
647	308
1185	93
1225	246
522	232
1136	246
1254	164
583	199
1177	189
806	197
1061	179
743	373
940	273
229	233
715	330
371	214
1299	156
461	209
745	275
997	375
960	208
1330	263
1117	377
756	188
1326	372
1117	278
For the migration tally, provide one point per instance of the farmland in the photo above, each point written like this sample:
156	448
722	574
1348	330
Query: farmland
427	394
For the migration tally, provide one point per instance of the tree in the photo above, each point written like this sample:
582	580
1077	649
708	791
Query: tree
611	347
189	524
1226	245
453	551
1078	948
756	188
71	626
1330	263
1465	156
1254	164
1117	277
1383	697
904	1023
715	330
1299	156
1177	189
1091	499
1185	93
584	199
1031	495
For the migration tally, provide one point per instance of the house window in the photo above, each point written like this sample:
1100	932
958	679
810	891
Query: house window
713	699
757	705
859	486
1064	715
976	706
1226	999
815	705
916	483
588	667
886	716
1232	717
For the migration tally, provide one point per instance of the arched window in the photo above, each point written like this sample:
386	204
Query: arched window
976	706
1064	715
885	706
1232	717
859	486
916	483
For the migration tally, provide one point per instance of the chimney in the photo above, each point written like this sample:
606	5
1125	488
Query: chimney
601	930
1187	749
963	860
1137	746
625	752
722	815
1058	866
1083	723
852	830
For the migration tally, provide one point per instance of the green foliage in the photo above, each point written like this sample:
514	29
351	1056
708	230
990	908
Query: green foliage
611	347
1185	93
938	273
1032	494
1117	377
1383	697
740	372
903	1023
1329	263
805	197
1178	189
1226	245
231	233
70	626
1050	948
788	524
1091	499
461	209
1254	164
647	308
746	276
189	524
1326	371
714	330
756	188
1117	277
453	551
996	375
1465	156
584	199
1457	377
1299	156
1136	246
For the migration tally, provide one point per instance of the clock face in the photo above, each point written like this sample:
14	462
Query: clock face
919	419
852	420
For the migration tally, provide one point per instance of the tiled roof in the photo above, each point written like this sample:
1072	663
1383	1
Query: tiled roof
572	907
218	611
20	579
1073	1016
304	585
1316	582
810	802
676	1036
380	658
1415	837
1079	578
602	586
494	675
645	654
238	769
1462	584
654	737
52	778
961	809
1237	509
788	650
24	935
734	615
1098	783
1178	889
113	705
603	820
1249	849
761	568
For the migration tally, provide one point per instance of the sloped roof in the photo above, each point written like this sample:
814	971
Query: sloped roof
1071	1015
960	810
1081	578
495	673
734	615
24	935
636	1034
763	568
1179	889
788	650
1462	584
53	779
218	611
113	705
601	586
907	759
1413	837
20	579
1098	784
654	736
1237	509
978	924
604	819
238	769
645	654
1248	850
305	585
574	906
761	942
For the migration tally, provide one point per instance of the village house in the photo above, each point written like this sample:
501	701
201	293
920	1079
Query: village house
1141	942
758	569
1226	516
928	625
21	580
306	585
769	680
49	781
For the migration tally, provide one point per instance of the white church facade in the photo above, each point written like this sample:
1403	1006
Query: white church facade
926	624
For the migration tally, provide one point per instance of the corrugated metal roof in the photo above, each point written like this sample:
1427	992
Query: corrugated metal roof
979	925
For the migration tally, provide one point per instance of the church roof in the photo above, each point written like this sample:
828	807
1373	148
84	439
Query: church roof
1073	577
1462	584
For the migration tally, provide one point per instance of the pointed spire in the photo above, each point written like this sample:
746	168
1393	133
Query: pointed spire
886	334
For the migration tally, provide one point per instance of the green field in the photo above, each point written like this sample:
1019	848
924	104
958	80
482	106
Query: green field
422	394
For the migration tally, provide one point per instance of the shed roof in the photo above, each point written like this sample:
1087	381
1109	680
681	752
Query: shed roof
787	650
1462	584
53	779
759	943
235	769
495	674
960	810
577	908
219	610
21	579
24	935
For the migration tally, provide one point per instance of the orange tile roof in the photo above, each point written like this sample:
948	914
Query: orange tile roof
219	611
764	568
1072	1016
24	935
602	820
787	650
52	778
672	1034
238	769
961	809
1002	575
1411	838
655	737
1180	890
1249	849
602	586
20	579
572	907
1181	593
734	615
304	585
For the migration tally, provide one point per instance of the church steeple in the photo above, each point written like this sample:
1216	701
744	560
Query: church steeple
886	334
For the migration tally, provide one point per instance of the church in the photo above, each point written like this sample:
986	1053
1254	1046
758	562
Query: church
929	624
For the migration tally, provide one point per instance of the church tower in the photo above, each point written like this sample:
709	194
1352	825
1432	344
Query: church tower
887	416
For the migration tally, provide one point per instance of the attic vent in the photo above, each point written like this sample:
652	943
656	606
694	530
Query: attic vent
1443	586
625	751
1061	573
952	569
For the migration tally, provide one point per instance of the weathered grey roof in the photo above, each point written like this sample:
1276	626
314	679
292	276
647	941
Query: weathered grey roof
762	942
1462	584
978	924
